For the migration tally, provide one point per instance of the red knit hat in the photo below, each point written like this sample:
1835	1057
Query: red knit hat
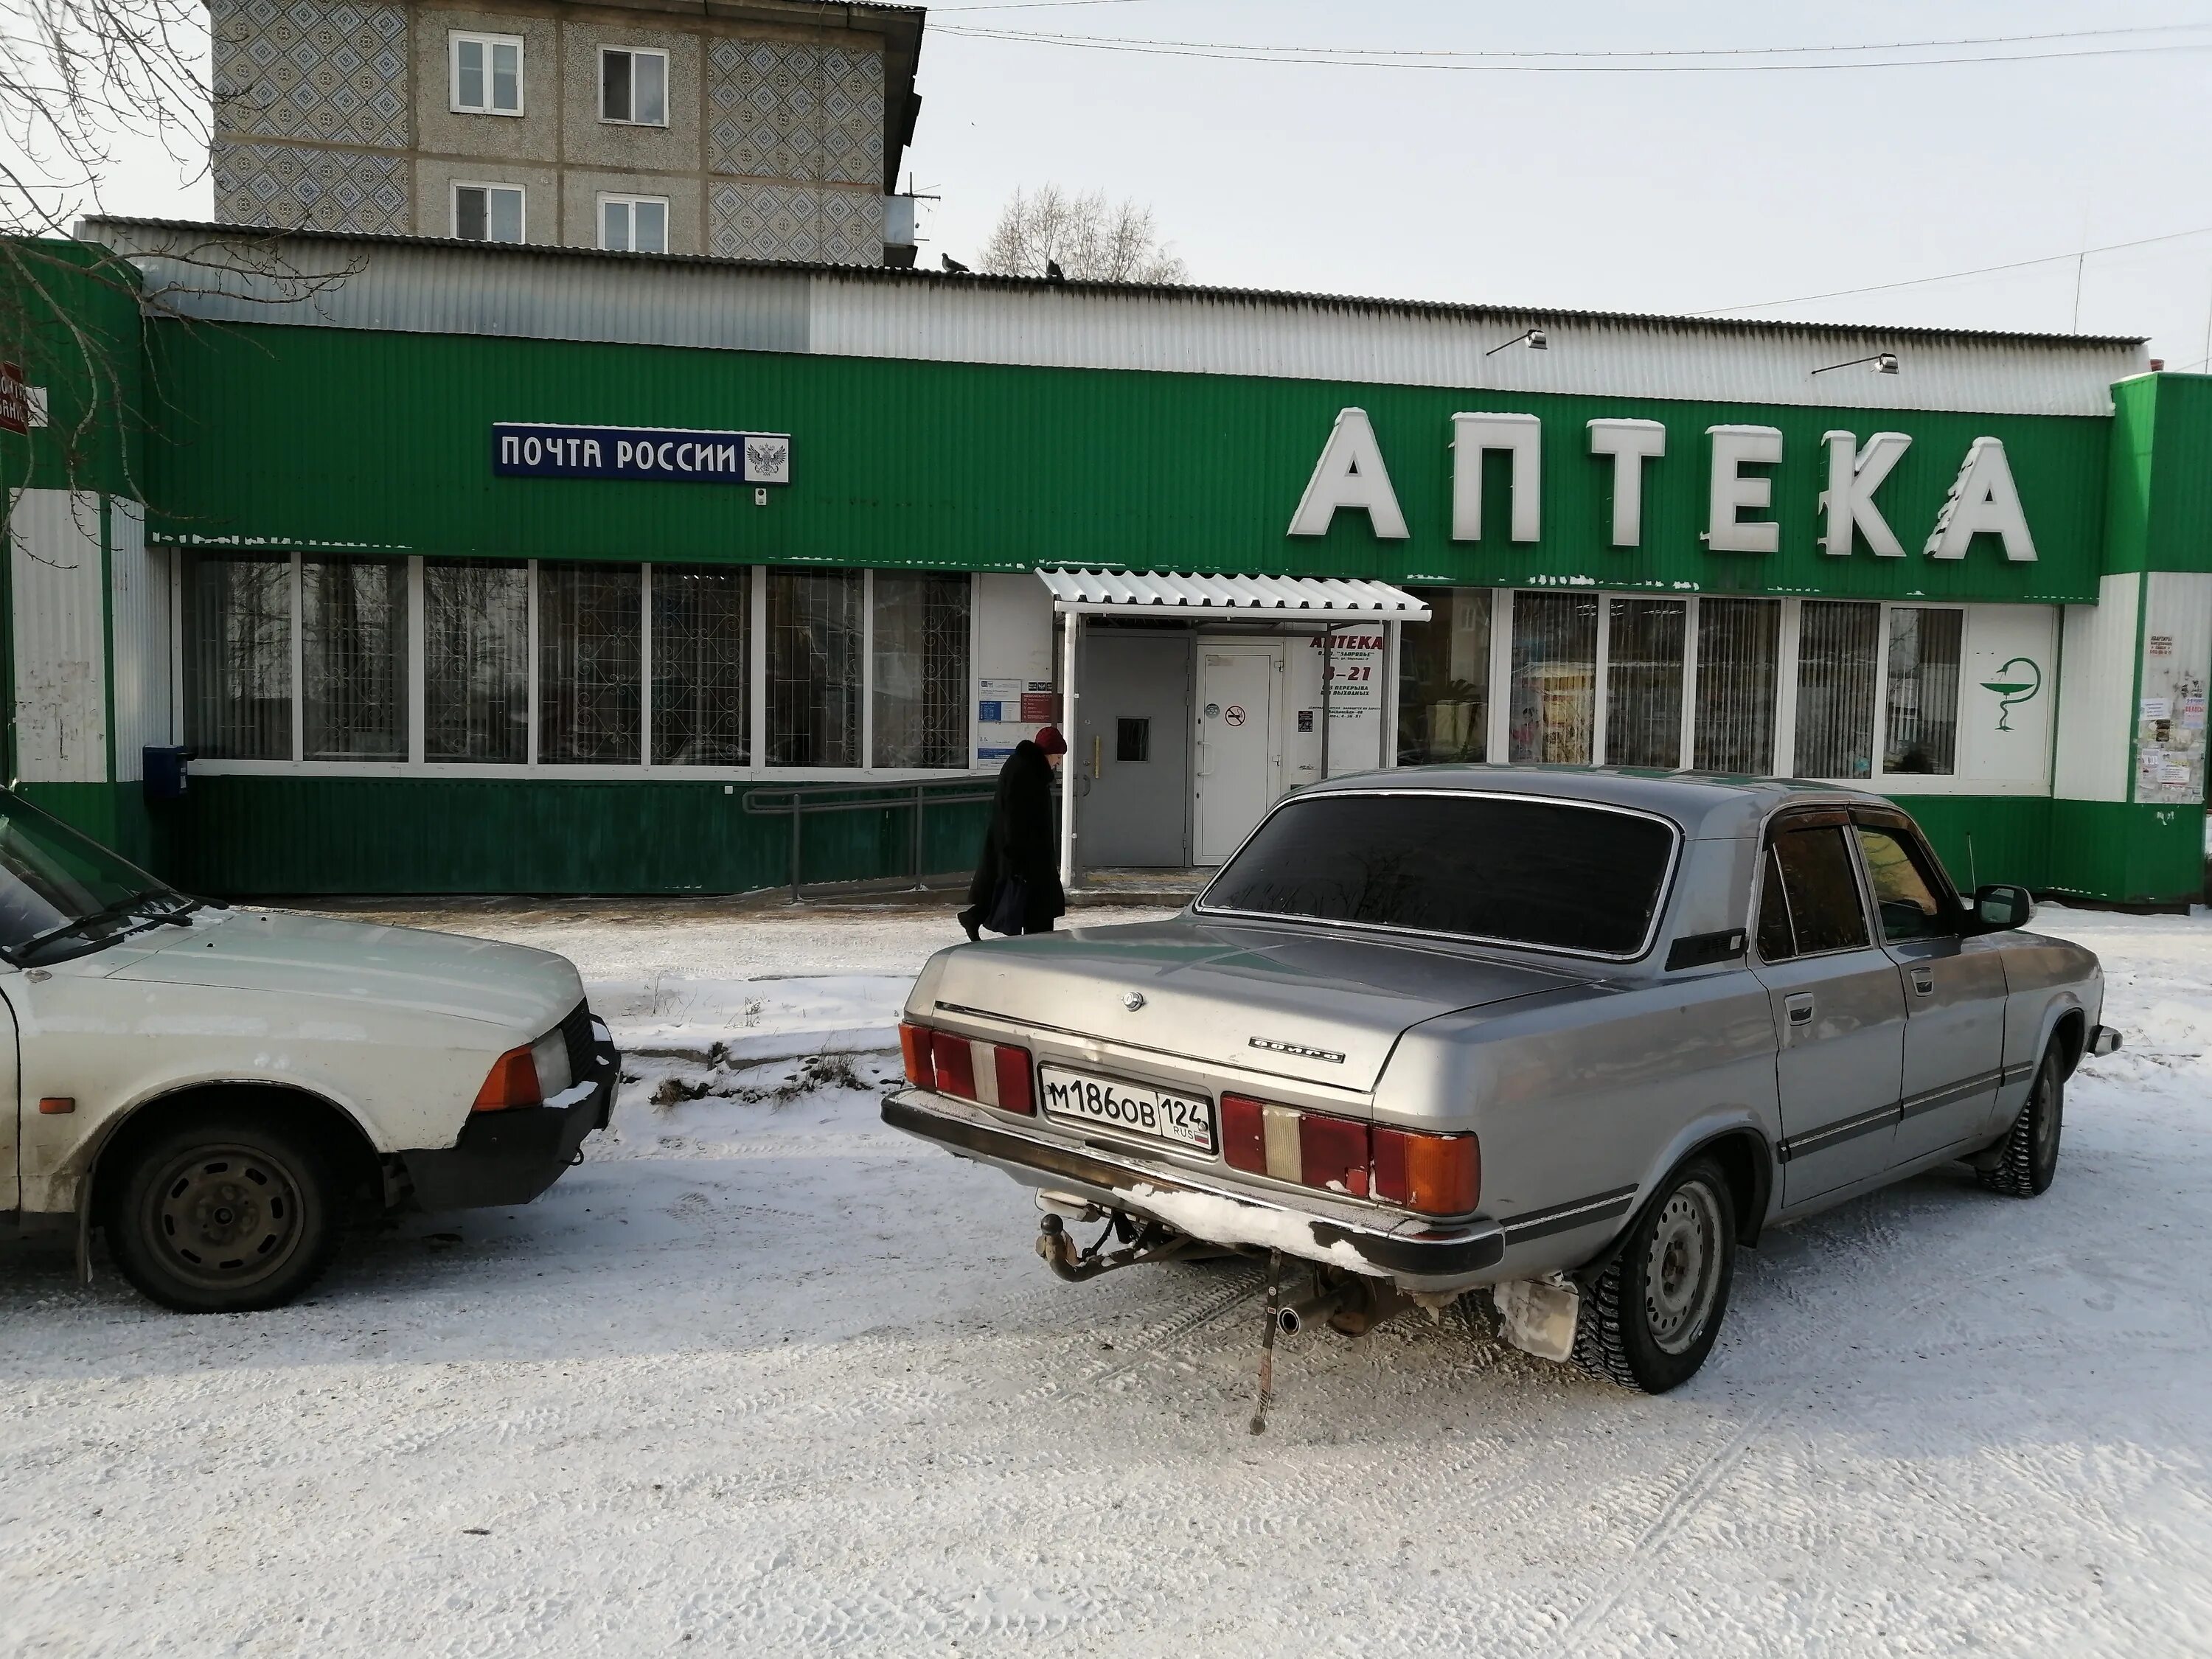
1049	740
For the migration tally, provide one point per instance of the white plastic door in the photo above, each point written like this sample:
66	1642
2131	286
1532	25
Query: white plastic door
1238	758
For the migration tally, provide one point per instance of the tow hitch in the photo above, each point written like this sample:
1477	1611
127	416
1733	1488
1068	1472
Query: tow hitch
1139	1243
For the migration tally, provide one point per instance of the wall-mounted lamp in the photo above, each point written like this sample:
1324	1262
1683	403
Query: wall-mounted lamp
1884	362
1535	337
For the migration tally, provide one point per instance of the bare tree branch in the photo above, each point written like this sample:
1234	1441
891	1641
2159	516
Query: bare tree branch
1090	239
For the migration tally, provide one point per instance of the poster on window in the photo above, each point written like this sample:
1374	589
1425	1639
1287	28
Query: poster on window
1353	666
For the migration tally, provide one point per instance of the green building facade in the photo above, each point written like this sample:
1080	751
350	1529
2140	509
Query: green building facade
488	570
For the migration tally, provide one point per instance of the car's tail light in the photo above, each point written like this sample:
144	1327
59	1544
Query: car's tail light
512	1081
989	1073
1429	1174
913	1048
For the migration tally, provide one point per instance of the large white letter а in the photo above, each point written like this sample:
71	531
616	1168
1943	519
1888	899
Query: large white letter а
1349	473
1984	498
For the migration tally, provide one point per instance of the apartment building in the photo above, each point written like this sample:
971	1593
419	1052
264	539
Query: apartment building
757	129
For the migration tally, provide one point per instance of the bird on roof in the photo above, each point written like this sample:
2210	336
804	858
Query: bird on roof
1053	273
951	266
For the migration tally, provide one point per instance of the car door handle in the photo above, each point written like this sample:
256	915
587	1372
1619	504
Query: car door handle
1800	1007
1924	981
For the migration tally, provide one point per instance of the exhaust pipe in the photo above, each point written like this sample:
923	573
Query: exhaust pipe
1293	1319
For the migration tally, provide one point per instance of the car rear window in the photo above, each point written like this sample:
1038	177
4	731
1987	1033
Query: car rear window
1552	875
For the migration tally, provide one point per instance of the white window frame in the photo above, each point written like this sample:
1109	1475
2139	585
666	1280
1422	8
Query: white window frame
633	54
453	40
608	197
453	209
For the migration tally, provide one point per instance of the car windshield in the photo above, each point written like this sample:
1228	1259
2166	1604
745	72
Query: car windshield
62	894
1548	874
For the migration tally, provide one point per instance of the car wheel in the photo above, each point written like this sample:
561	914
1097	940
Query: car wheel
224	1212
1650	1318
2027	1158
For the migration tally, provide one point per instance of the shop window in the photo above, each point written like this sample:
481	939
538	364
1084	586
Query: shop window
1921	718
591	627
919	676
634	86
1444	679
701	650
238	656
1554	684
814	667
1838	648
487	72
634	224
1644	682
475	661
353	655
487	213
1738	642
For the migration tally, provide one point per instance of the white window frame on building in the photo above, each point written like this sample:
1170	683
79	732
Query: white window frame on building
488	47
281	688
633	222
631	115
488	190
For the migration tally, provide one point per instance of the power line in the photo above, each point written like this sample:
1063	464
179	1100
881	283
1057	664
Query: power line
1958	276
1329	57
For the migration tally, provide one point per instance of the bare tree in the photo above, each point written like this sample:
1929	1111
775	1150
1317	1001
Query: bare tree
1090	239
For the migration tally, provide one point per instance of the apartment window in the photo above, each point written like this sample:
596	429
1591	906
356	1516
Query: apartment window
634	224
353	653
591	627
475	661
238	656
1838	651
1644	682
1553	693
634	86
1921	714
487	74
1444	679
919	669
1738	644
487	213
702	651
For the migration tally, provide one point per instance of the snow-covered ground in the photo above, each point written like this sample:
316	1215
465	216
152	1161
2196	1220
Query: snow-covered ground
762	1377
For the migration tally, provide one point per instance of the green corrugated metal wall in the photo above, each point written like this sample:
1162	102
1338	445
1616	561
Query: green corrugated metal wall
324	437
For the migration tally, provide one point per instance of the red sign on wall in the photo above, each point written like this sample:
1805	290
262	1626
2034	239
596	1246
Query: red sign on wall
1042	707
14	400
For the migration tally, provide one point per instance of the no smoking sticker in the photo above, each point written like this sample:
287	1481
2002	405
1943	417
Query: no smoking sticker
1234	714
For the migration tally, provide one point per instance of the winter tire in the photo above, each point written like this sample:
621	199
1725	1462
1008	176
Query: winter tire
226	1211
2027	1158
1650	1318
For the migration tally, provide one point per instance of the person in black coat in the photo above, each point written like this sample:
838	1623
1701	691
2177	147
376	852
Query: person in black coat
1018	845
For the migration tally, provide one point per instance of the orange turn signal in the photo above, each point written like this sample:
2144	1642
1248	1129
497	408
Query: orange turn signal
511	1082
57	1105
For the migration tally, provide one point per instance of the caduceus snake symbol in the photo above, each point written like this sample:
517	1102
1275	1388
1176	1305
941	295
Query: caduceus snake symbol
2017	682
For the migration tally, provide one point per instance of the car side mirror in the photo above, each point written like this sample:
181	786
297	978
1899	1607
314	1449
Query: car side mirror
1999	905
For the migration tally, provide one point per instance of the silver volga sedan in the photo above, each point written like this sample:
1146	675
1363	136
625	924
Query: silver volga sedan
1573	1037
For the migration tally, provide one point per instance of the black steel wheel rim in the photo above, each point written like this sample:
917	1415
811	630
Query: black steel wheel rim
224	1217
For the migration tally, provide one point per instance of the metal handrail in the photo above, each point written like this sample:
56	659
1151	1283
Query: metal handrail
799	801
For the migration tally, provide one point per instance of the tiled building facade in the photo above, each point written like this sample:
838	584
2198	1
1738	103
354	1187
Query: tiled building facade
767	131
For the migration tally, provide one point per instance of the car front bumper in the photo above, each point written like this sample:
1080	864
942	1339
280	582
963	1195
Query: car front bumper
1413	1254
511	1157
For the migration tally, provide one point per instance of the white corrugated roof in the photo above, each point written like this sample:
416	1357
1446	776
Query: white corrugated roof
1080	589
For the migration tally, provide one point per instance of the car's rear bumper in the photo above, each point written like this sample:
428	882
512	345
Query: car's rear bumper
1414	1254
511	1157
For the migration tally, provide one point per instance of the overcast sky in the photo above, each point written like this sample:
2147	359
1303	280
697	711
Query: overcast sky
1670	192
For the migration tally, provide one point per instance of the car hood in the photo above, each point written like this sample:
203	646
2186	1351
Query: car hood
1320	1006
525	991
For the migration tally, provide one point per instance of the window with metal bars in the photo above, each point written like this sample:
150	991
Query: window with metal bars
590	638
815	667
238	655
353	648
920	671
475	661
701	677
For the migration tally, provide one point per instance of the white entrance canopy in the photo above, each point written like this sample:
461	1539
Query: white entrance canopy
1327	602
1079	591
